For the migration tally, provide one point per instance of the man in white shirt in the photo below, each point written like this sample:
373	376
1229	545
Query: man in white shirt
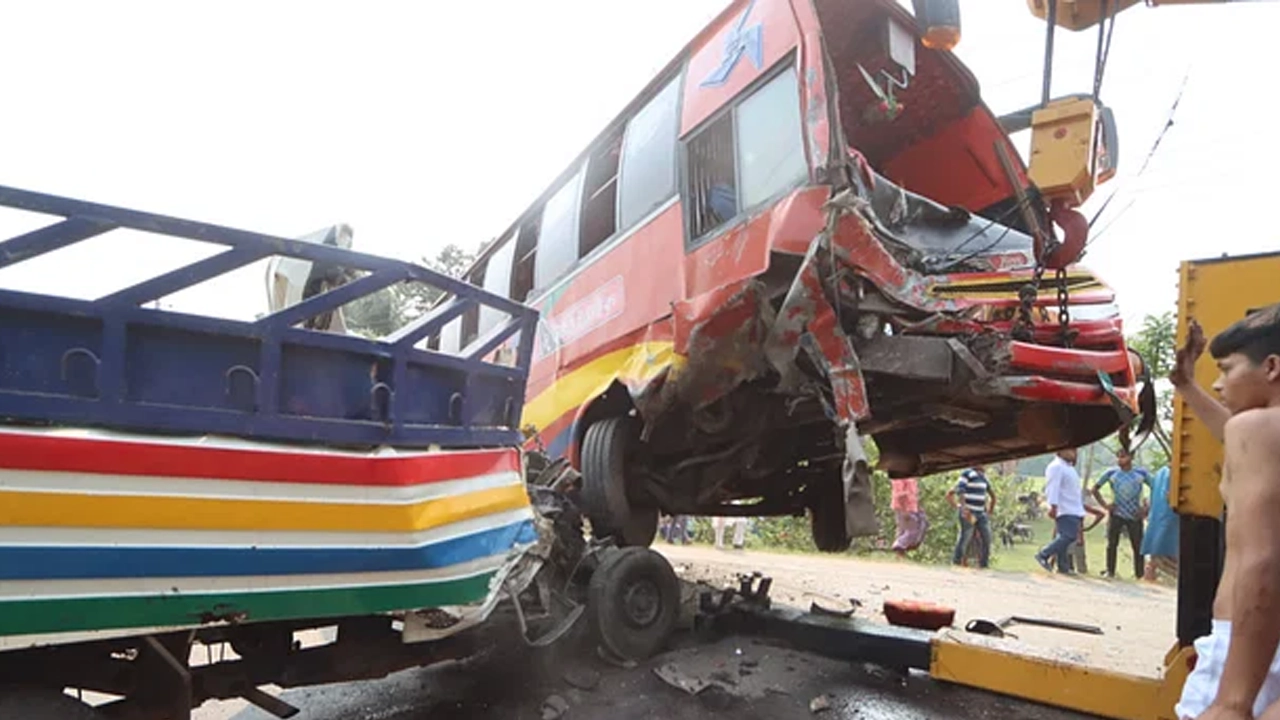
1065	494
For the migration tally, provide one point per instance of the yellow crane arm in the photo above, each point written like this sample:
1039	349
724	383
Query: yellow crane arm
1084	14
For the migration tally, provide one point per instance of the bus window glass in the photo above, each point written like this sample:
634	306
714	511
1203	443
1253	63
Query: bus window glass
451	337
497	280
526	249
558	243
600	196
649	157
770	140
713	194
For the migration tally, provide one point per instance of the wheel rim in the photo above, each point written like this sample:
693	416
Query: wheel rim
641	603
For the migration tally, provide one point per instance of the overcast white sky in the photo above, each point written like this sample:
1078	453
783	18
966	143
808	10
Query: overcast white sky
427	123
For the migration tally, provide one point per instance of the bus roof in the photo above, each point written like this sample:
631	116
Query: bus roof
708	33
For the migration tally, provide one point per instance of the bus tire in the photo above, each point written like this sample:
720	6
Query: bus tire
37	703
826	517
604	485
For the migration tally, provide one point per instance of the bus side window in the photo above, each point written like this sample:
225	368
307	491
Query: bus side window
647	175
558	240
770	140
747	156
600	197
713	192
471	318
497	280
450	338
526	250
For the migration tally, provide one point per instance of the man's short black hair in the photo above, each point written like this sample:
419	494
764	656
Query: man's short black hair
1255	336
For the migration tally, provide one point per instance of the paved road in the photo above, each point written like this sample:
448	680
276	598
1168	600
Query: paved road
755	680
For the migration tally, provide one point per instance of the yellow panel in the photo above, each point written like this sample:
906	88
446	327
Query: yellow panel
1216	292
1062	150
639	363
1077	14
1072	687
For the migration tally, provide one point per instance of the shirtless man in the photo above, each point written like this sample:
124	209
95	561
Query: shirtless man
1237	673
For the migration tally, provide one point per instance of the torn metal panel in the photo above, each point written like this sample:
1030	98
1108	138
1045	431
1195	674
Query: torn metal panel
808	320
919	358
721	334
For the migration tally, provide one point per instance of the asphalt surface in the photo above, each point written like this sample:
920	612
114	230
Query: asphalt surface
749	679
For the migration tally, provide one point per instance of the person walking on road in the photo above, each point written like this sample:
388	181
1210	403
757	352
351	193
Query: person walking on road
1064	491
1127	508
739	531
976	502
911	522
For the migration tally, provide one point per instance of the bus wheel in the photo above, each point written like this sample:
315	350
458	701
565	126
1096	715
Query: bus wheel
634	599
33	703
604	485
826	517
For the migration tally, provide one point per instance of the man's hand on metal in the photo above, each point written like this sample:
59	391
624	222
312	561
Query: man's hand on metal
1184	363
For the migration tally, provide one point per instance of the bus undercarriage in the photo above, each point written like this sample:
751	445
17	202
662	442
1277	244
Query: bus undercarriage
784	373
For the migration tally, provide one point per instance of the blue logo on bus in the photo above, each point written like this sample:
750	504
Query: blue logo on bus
742	40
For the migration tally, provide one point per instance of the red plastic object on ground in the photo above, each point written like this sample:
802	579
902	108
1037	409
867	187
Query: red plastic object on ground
919	615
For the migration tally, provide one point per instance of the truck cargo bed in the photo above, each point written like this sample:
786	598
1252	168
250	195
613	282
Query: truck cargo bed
114	362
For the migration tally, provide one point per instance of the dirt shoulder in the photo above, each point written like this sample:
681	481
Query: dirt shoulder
1137	620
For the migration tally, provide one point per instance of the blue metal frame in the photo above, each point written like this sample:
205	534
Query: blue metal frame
111	362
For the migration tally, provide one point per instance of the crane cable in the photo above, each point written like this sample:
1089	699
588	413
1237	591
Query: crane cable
1105	28
1168	123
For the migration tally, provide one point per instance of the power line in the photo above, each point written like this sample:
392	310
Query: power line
1168	123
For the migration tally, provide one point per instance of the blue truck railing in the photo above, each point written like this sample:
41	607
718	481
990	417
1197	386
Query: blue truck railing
113	362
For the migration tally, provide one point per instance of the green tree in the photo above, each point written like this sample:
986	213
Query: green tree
1155	341
792	533
386	311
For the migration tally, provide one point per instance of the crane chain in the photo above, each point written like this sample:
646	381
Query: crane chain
1064	311
1024	328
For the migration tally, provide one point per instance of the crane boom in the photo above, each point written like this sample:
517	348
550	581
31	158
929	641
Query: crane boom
1083	14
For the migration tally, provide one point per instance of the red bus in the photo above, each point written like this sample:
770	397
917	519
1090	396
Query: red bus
807	230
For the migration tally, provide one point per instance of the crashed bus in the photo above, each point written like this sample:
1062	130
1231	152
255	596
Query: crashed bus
808	230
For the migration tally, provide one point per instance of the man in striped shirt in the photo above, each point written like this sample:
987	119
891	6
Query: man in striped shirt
976	503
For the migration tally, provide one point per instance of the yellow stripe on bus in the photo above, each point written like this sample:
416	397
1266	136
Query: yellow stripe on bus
637	363
54	509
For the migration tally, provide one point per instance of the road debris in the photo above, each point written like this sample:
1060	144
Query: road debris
614	660
822	703
582	678
554	707
670	674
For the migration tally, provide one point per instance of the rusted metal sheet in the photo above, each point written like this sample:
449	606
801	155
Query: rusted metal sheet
920	358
